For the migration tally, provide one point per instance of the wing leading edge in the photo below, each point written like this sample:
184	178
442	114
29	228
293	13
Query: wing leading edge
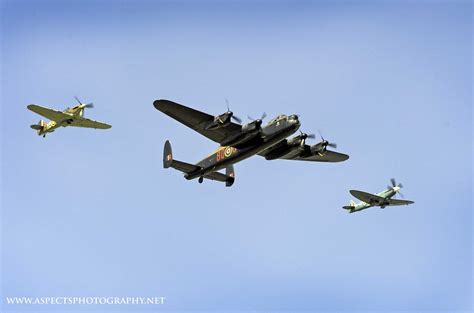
51	114
367	197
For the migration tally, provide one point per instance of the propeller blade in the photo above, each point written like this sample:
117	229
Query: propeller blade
77	99
89	105
400	185
401	195
238	120
320	135
392	180
305	135
332	144
260	119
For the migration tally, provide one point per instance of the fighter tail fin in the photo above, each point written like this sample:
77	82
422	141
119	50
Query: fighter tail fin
351	206
39	127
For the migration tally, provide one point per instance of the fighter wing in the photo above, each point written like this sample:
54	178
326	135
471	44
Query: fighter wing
327	156
393	202
368	197
51	114
87	123
196	120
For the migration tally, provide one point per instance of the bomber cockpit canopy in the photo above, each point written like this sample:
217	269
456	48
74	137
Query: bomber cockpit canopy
277	119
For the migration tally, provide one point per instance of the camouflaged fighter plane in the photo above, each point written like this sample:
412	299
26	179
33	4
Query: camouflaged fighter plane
70	117
239	142
382	199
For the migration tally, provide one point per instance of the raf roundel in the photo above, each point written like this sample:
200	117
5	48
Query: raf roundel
228	152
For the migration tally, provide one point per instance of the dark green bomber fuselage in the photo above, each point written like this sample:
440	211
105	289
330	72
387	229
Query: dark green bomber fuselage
227	155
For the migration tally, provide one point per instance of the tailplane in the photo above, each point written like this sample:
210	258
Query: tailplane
39	127
228	178
350	207
191	170
168	161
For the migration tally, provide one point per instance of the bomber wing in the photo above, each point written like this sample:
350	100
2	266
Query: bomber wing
301	155
196	120
87	123
51	114
327	156
368	197
393	202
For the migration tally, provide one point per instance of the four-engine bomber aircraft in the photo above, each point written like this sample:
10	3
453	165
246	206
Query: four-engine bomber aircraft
382	199
239	142
70	117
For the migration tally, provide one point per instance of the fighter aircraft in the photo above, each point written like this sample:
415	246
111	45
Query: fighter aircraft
239	142
70	117
382	199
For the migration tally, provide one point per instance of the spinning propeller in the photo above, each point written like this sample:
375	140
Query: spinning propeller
396	187
258	121
303	136
322	146
231	114
326	143
88	105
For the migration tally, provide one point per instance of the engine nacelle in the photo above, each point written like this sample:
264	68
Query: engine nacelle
293	147
219	121
252	126
318	148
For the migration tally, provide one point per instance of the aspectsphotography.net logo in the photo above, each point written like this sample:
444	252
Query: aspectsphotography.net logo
84	300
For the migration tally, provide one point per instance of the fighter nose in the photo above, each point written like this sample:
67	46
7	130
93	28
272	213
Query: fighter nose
294	117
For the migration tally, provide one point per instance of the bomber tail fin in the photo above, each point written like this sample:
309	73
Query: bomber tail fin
230	173
167	155
168	161
228	178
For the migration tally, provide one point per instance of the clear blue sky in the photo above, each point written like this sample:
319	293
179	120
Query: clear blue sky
92	213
